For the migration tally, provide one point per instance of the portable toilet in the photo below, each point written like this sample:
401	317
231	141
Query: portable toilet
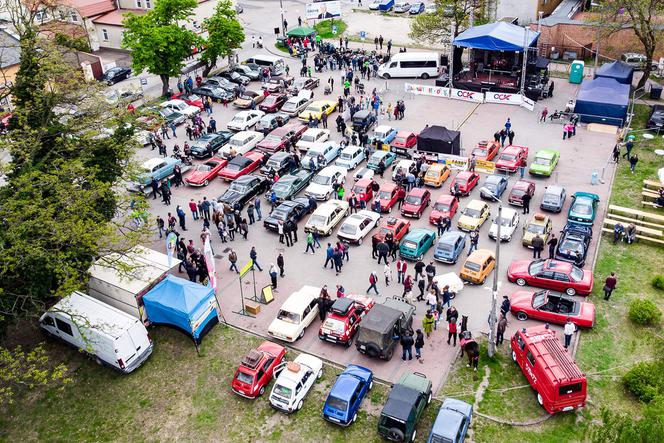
576	71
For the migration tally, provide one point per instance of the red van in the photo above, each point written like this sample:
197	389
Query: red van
559	383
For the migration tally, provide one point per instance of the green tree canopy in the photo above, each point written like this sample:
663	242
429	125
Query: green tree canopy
225	34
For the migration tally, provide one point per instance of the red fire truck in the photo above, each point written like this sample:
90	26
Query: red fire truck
557	380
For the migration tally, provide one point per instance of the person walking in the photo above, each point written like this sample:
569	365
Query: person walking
387	272
273	275
568	331
310	244
338	258
505	305
383	249
402	267
474	239
160	226
432	301
257	208
447	296
553	243
452	328
280	230
633	160
526	203
253	255
419	268
431	273
407	343
538	246
373	279
419	344
500	330
420	286
280	263
250	213
543	115
427	323
232	258
329	256
407	285
609	285
181	218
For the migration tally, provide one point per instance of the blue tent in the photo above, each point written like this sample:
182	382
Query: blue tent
186	305
603	100
499	36
617	70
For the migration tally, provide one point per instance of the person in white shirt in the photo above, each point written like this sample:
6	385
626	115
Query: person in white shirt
432	300
570	329
387	272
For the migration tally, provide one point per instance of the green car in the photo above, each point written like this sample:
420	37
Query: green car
387	157
545	162
416	243
404	407
289	185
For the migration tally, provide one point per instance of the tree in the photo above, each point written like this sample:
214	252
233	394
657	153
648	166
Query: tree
641	16
225	34
156	40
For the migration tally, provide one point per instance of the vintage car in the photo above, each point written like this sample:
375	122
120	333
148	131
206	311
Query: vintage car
509	220
281	138
244	120
181	106
486	150
204	173
294	382
246	70
384	134
551	274
323	183
553	199
401	167
310	137
249	99
289	185
403	143
217	94
478	266
363	120
273	102
363	190
466	180
397	226
241	143
256	369
270	122
388	195
343	319
344	400
241	165
574	244
376	337
280	163
473	215
209	144
350	157
190	99
220	82
295	315
449	247
170	115
326	217
302	83
157	168
545	162
495	184
290	210
386	156
551	308
445	206
416	243
415	202
452	422
583	208
436	175
520	188
234	77
329	150
358	225
404	407
277	84
540	225
401	7
416	8
295	105
243	189
316	109
363	173
512	158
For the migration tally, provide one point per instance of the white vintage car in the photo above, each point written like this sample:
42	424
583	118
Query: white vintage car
241	143
358	225
244	120
297	312
326	217
294	382
350	157
509	220
311	136
322	185
181	106
363	173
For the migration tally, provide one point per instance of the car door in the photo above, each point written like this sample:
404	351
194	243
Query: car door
545	278
561	281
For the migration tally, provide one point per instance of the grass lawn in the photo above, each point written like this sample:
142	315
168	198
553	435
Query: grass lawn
605	352
324	28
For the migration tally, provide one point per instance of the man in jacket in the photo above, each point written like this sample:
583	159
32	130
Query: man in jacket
419	267
253	255
402	268
500	330
232	257
373	279
407	343
569	331
383	249
431	273
329	256
553	243
538	245
280	264
505	306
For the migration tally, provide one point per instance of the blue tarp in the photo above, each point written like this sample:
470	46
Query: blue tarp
602	100
499	36
617	70
181	303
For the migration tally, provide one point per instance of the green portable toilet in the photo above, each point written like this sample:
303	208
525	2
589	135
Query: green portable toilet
576	72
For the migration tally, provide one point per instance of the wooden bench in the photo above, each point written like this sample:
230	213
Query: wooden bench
652	204
656	233
638	237
637	214
636	222
652	185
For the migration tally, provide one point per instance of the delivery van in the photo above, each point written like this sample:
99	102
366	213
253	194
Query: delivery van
114	338
275	63
411	64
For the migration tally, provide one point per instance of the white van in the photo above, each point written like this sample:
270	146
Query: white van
276	64
411	64
113	337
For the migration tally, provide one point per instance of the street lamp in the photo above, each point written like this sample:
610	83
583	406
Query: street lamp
494	291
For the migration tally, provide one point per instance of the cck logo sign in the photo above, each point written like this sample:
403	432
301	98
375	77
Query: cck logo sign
469	96
502	97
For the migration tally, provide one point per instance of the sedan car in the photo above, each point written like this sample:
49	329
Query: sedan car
520	188
496	184
273	102
384	134
416	243
321	154
234	77
415	202
473	216
208	144
190	99
316	109
204	173
270	122
322	186
553	199
303	83
358	225
256	369
171	116
326	217
403	142
545	162
220	82
243	189
583	208
280	163
551	308
311	136
452	421
249	99
363	173
540	225
344	400
416	8
445	206
401	7
509	220
116	74
281	138
574	244
277	84
551	274
241	165
241	143
464	181
295	105
398	227
290	210
289	185
386	156
294	382
512	158
219	95
181	106
157	168
246	71
449	247
244	120
486	150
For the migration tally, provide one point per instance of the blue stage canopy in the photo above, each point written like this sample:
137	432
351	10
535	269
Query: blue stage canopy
499	36
617	70
603	100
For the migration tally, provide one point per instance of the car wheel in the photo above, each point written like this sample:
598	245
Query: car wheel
521	282
389	354
206	183
320	374
522	316
261	391
349	342
354	417
395	434
300	404
540	400
452	294
301	334
371	385
414	434
373	351
425	76
570	291
386	76
514	356
359	242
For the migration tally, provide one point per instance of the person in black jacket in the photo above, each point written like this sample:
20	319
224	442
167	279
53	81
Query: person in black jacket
407	343
383	249
419	344
505	306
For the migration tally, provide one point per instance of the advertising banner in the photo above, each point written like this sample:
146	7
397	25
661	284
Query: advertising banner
468	96
509	99
322	10
527	103
485	166
454	161
209	262
435	91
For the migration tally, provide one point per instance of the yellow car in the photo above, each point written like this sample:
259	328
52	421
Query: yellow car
436	175
541	225
478	266
473	215
317	109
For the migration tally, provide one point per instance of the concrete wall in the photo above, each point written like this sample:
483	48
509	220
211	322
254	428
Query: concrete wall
114	40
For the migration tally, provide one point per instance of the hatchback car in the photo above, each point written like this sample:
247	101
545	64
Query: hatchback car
473	215
445	206
452	422
388	194
478	266
350	157
310	137
403	143
583	208
323	184
358	225
294	382
496	184
386	156
398	227
416	8
551	308
416	202
321	154
509	220
545	162
344	317
520	188
551	274
256	369
401	7
416	243
512	158
436	175
574	244
363	191
116	74
384	134
466	181
553	199
297	312
449	247
344	400
273	102
486	150
541	225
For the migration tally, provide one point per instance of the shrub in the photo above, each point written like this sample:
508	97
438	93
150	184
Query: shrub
644	312
645	380
658	281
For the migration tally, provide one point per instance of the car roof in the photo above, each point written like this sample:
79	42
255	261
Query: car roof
244	178
539	219
344	387
523	184
417	233
508	212
383	128
450	236
495	179
331	170
558	265
464	174
479	256
388	186
351	148
405	134
546	153
151	163
300	298
418	192
400	402
381	318
476	204
445	198
554	189
415	380
513	149
327	207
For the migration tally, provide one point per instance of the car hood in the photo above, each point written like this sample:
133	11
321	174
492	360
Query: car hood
519	267
284	328
504	230
521	299
197	176
468	221
315	188
538	167
410	207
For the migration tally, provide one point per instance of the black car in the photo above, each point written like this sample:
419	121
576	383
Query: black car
282	163
234	77
363	120
303	83
656	119
574	244
199	147
246	71
289	185
220	82
243	189
217	94
117	74
292	210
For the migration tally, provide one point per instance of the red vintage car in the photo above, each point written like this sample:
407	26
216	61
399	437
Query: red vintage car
486	150
397	226
204	173
257	369
551	274
416	202
280	138
403	141
273	102
445	206
363	190
467	181
551	308
242	165
511	158
388	195
520	188
190	99
343	319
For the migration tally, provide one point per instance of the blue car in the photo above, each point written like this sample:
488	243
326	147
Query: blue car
449	247
416	8
387	157
496	184
384	133
452	422
583	208
346	395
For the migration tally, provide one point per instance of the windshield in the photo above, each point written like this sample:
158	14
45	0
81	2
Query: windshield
289	106
317	220
433	173
238	188
470	212
472	266
313	109
400	140
273	138
322	179
505	221
237	142
289	317
508	157
542	161
570	246
576	274
346	156
358	189
279	214
385	195
337	404
334	325
239	118
282	391
535	267
348	229
491	187
281	188
535	229
244	377
376	158
444	207
480	152
203	168
308	137
413	200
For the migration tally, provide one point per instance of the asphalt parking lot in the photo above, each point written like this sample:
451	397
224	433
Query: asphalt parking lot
586	153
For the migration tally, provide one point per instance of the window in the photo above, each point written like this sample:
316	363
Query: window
419	64
267	364
560	276
104	33
73	16
148	4
530	359
64	327
48	321
260	374
519	341
139	4
570	389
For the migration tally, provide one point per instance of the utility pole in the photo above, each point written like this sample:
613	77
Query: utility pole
526	31
494	290
281	25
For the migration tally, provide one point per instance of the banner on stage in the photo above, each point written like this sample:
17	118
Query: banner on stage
468	96
435	91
